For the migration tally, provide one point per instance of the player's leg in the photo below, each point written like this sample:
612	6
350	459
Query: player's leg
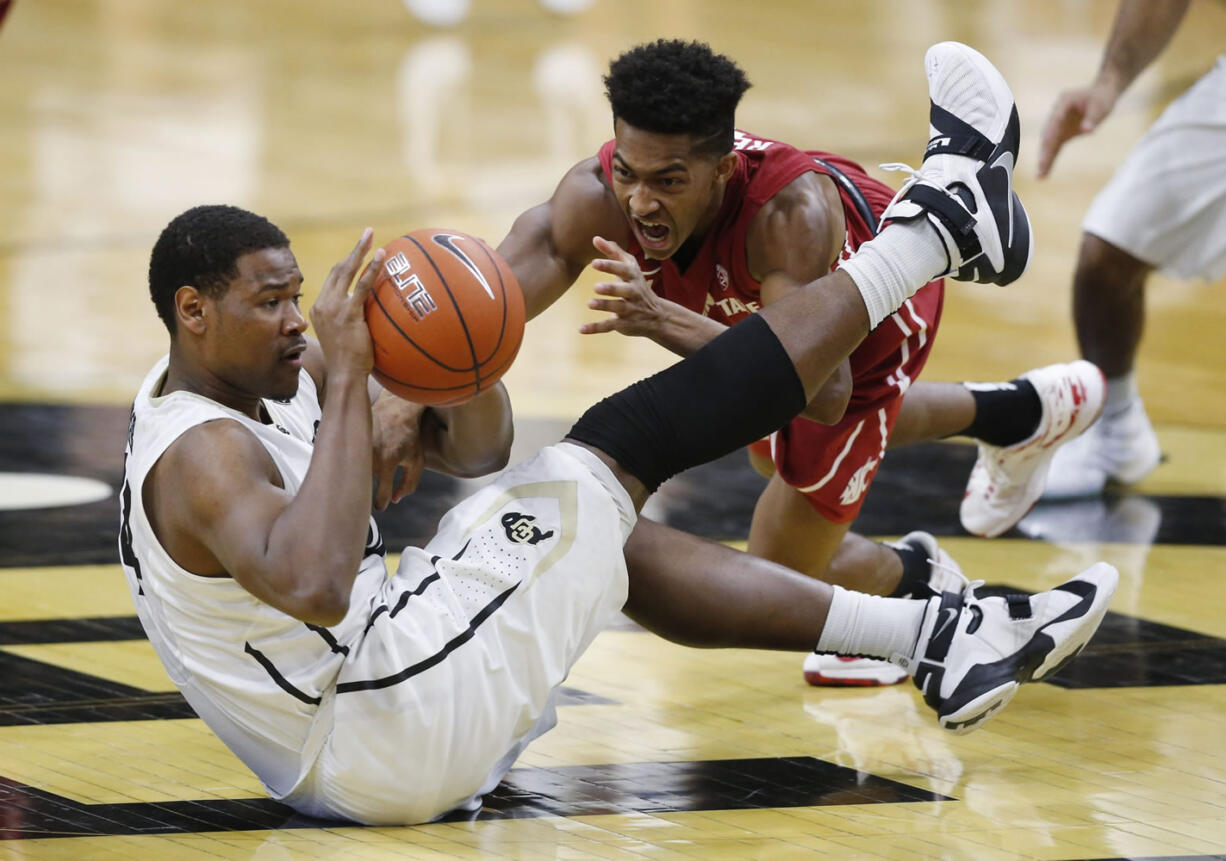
1109	313
968	654
1109	305
1018	424
932	411
788	530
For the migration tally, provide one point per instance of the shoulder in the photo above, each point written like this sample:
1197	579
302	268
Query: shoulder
809	193
214	449
800	228
585	184
200	481
583	206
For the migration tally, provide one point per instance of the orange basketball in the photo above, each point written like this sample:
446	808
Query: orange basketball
446	315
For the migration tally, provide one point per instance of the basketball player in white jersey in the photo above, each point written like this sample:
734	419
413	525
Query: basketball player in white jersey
1164	208
259	576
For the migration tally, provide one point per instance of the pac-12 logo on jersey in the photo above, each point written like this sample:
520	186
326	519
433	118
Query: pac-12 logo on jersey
519	528
721	275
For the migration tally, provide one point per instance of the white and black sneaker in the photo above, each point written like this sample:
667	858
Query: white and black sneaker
972	653
964	187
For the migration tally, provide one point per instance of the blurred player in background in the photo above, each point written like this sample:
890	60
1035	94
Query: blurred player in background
1165	208
722	223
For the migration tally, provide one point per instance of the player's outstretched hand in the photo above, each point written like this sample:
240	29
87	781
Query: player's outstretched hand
339	316
636	309
1076	112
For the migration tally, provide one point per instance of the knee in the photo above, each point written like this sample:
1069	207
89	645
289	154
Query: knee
761	464
1101	263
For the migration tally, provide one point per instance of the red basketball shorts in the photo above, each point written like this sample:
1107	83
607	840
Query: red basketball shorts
834	465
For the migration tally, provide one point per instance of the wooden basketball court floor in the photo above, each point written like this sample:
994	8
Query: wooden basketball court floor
115	115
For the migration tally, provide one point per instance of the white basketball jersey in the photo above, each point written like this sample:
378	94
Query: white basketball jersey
255	675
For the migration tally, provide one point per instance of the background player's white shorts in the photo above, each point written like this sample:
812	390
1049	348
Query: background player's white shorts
457	674
1166	204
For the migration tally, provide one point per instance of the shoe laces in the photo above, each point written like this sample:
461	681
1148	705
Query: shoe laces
969	585
913	176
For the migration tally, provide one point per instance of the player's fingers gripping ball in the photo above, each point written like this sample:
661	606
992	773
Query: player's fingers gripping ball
446	315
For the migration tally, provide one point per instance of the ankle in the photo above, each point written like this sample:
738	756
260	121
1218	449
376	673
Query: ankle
892	266
1121	394
876	627
1005	413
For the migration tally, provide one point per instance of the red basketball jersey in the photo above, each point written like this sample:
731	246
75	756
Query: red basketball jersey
832	466
717	283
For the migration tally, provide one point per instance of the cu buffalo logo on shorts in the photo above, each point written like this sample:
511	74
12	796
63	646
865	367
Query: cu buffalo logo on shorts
519	528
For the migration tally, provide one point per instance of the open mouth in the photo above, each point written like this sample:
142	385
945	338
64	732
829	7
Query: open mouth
652	234
293	356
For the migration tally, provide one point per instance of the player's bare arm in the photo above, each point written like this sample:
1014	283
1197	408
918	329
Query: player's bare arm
794	239
471	439
1142	29
550	245
396	447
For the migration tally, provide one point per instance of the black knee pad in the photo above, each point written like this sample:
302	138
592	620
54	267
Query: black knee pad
736	389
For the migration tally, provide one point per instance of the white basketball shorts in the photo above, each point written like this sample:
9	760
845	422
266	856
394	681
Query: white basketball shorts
1166	204
469	639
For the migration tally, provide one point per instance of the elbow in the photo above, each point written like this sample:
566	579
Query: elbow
826	412
827	417
325	613
500	456
492	459
830	405
324	606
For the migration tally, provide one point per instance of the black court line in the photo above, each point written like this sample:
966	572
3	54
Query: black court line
643	787
1126	652
918	487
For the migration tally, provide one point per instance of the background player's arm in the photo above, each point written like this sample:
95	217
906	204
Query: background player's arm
1142	29
549	246
468	440
471	439
794	239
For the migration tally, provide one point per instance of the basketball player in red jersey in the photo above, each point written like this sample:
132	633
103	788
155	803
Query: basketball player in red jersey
722	222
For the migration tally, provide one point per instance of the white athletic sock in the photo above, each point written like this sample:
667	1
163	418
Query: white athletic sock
894	264
1121	392
860	624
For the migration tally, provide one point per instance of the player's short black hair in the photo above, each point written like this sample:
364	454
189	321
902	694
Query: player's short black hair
674	87
201	247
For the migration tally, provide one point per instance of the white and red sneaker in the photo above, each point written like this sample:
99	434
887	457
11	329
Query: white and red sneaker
1007	481
836	671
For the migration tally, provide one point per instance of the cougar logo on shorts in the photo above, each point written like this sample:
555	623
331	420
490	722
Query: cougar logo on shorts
520	529
858	483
